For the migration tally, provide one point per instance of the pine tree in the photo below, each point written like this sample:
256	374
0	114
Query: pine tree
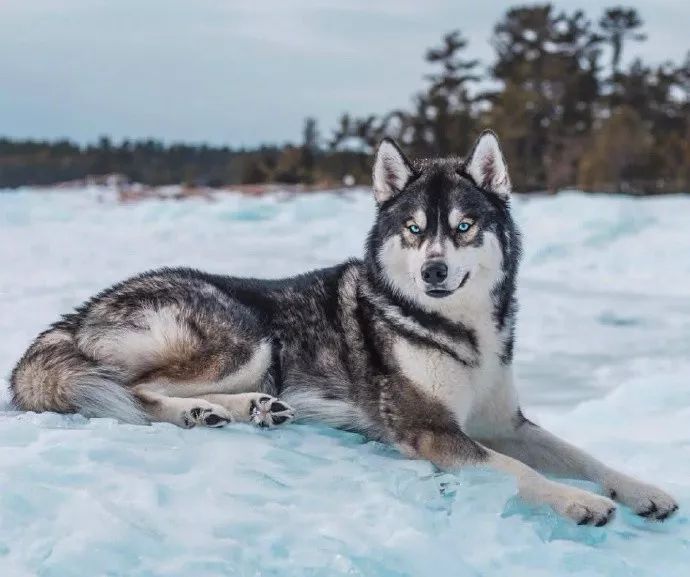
618	25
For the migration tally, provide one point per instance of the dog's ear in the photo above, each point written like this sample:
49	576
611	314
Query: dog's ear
392	171
487	167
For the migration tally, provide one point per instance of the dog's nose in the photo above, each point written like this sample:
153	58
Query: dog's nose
434	272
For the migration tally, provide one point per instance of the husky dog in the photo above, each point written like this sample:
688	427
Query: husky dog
412	345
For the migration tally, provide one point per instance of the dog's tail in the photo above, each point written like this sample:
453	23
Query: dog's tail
53	375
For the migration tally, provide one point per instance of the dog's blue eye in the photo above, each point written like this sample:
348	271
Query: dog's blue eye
464	226
414	229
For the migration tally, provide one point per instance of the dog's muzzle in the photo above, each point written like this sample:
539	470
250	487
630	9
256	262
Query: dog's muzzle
438	290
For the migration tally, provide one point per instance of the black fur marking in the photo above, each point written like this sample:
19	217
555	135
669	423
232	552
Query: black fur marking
278	406
519	420
364	315
279	420
213	419
423	341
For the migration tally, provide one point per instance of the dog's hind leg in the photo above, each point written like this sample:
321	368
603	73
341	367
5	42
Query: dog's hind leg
424	428
175	393
198	392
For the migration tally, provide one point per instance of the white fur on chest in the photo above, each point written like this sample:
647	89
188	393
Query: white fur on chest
439	376
481	397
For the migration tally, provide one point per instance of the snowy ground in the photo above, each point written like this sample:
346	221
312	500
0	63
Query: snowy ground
603	358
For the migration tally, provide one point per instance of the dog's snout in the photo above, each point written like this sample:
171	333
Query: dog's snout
434	272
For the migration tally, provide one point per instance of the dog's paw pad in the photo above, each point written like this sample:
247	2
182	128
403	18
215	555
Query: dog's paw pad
214	420
211	416
269	412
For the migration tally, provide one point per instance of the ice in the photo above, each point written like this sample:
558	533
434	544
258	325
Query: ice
603	358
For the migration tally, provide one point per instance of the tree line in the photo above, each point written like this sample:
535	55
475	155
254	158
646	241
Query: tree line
568	113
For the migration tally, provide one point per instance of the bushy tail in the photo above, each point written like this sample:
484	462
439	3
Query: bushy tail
53	375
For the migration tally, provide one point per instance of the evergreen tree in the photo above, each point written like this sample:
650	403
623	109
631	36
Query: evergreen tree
618	25
547	63
310	148
449	103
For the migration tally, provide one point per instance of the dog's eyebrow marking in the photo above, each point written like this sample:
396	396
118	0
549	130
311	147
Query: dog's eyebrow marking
455	217
419	216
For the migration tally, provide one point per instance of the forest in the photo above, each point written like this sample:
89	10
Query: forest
568	111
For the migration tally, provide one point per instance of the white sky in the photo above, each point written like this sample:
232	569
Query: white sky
238	72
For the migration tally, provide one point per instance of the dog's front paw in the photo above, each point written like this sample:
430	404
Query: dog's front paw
581	506
645	500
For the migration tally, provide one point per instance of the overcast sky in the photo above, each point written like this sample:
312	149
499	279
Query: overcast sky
241	73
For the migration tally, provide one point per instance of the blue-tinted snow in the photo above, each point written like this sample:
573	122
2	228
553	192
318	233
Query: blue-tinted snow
603	358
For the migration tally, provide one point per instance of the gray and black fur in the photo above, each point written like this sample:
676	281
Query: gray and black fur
412	345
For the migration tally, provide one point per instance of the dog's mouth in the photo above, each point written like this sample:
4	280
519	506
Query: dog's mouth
439	293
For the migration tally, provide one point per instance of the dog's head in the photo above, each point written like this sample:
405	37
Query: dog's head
443	231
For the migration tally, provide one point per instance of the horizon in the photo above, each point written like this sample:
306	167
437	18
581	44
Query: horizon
144	76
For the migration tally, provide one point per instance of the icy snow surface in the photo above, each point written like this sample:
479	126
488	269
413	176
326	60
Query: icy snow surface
603	358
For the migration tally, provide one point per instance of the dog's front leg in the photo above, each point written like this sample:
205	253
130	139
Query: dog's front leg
548	454
424	428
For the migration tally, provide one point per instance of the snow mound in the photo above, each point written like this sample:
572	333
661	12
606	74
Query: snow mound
603	358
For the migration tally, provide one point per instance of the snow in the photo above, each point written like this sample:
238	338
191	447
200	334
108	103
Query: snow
603	358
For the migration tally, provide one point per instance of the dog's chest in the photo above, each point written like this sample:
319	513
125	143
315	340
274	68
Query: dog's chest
460	387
